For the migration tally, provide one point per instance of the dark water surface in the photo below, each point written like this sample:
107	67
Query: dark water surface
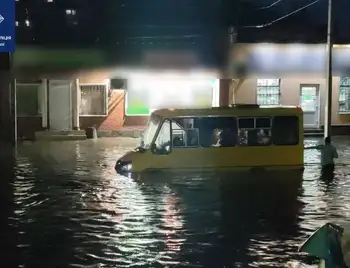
62	205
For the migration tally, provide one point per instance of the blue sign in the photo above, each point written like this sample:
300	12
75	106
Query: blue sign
7	25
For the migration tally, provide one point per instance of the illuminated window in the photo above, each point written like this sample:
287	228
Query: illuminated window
344	95
268	92
93	99
27	23
71	12
49	1
17	23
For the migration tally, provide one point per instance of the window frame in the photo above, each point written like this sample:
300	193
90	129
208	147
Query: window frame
255	129
39	112
270	144
106	98
267	86
255	118
185	130
186	146
347	87
199	133
172	140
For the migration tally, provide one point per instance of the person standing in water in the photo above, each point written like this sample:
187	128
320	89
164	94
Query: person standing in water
328	153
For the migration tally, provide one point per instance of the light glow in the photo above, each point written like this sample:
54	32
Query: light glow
168	91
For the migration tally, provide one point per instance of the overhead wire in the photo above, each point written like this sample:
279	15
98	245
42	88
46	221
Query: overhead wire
281	18
248	26
269	6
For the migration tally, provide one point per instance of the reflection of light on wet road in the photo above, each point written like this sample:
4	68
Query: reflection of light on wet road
172	223
71	209
24	188
128	212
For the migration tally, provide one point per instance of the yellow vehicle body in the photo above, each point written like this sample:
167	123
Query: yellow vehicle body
237	158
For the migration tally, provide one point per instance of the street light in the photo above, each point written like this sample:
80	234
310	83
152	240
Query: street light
328	108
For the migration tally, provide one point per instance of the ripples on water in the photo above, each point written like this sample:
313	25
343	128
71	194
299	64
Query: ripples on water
63	206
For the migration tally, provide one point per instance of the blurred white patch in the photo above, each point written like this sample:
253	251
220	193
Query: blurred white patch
172	91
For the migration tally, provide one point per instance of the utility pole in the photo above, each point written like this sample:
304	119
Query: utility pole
328	108
232	42
13	101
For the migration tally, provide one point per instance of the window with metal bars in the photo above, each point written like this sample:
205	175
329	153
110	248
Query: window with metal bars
344	95
268	92
93	99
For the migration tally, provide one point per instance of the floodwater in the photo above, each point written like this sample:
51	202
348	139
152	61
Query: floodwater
62	205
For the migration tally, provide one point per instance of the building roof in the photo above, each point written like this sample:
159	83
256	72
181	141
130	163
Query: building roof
242	110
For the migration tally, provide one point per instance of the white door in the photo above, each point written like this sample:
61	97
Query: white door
310	103
60	115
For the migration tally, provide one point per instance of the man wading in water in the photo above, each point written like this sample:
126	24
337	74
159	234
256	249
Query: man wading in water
328	153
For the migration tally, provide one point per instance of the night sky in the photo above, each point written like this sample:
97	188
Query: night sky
107	22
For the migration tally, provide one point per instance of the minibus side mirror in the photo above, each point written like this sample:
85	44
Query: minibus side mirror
141	150
153	148
166	149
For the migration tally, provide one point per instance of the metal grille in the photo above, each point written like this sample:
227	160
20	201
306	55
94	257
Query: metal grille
268	92
93	100
344	95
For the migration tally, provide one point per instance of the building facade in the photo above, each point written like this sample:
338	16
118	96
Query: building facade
91	102
308	92
268	75
94	100
292	74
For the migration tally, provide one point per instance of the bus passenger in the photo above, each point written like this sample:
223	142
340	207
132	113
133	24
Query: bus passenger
263	137
224	138
216	137
243	137
178	142
227	138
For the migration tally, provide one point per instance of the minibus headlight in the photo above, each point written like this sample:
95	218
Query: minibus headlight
123	166
126	167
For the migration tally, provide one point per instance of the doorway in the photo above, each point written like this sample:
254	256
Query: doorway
310	103
60	103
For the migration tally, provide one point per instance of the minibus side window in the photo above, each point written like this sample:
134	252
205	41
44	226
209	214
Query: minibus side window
246	131
217	131
285	130
162	144
184	134
264	130
254	131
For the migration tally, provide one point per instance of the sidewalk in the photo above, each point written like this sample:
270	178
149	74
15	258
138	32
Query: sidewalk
130	131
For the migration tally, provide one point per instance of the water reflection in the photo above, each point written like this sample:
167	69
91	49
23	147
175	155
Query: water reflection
172	223
45	199
232	220
261	216
8	220
65	206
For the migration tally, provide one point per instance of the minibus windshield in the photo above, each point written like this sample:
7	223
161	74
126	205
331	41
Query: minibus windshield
150	131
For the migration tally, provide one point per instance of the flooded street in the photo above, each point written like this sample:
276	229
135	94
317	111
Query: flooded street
63	205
